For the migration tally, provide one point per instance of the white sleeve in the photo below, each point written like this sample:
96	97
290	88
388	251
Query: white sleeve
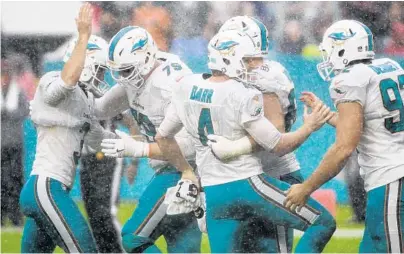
263	132
171	124
54	88
349	87
111	103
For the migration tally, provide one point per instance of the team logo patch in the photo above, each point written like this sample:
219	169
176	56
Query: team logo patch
256	106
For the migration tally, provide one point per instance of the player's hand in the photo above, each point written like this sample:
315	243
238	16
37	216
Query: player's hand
84	20
319	115
297	196
309	99
125	146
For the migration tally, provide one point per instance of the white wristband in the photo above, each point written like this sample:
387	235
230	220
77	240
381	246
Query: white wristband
226	149
242	146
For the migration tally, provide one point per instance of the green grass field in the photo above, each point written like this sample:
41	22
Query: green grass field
10	238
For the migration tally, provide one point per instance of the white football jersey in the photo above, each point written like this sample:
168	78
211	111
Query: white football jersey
206	107
62	116
278	81
379	88
149	104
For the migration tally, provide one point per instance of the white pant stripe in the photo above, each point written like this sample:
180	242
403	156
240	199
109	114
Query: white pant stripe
154	220
392	220
282	236
44	199
307	214
116	182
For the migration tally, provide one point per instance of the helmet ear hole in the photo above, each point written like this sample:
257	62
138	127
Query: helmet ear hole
341	52
226	61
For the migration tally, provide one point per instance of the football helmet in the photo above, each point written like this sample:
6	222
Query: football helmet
92	75
226	52
131	56
343	42
251	26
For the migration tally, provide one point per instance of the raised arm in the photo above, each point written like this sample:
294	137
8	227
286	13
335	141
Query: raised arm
73	67
54	91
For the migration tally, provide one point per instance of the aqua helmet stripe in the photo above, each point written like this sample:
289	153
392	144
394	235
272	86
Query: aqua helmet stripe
370	35
264	42
116	39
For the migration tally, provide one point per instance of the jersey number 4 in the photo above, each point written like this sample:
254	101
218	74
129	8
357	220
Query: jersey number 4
205	125
393	101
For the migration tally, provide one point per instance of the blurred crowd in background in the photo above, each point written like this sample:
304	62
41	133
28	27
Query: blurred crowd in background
182	28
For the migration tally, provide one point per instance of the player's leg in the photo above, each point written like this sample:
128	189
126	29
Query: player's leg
182	234
35	239
314	219
385	205
48	202
146	224
96	185
222	234
295	177
263	196
268	237
259	235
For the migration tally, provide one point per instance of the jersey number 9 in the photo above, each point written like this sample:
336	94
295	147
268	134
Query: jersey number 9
393	101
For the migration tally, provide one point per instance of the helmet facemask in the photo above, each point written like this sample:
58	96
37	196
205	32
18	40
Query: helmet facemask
128	75
332	63
95	82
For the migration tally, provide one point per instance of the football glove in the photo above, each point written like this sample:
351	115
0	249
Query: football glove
177	205
186	190
183	198
126	146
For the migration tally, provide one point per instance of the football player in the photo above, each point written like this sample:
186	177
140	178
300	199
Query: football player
145	78
238	189
368	94
62	112
273	80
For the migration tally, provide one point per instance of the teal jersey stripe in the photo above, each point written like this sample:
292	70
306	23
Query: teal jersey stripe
370	35
264	42
117	37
